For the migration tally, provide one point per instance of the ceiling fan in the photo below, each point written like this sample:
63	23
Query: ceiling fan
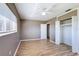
48	10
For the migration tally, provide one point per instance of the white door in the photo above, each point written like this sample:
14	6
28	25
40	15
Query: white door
67	34
43	31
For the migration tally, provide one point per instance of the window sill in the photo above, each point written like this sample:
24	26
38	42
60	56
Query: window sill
3	34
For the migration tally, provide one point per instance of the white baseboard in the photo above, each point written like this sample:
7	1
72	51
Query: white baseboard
30	39
17	48
52	41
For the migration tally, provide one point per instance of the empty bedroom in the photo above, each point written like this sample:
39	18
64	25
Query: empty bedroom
39	29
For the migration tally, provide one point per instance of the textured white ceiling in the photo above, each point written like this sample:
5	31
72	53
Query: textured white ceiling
33	11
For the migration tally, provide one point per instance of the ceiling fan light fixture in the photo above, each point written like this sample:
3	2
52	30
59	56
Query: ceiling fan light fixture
43	13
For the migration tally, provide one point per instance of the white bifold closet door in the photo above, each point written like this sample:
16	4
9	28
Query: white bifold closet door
67	34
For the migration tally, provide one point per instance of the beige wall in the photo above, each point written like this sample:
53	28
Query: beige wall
52	28
30	29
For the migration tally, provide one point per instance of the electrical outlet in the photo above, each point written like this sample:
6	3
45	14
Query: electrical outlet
10	52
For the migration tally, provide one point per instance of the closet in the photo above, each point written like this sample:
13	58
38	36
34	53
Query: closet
66	31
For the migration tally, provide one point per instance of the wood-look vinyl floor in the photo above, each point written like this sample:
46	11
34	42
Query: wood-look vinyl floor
43	48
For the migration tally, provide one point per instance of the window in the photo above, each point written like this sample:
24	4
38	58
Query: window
2	24
7	25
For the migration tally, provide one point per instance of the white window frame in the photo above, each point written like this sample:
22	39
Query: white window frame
4	26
